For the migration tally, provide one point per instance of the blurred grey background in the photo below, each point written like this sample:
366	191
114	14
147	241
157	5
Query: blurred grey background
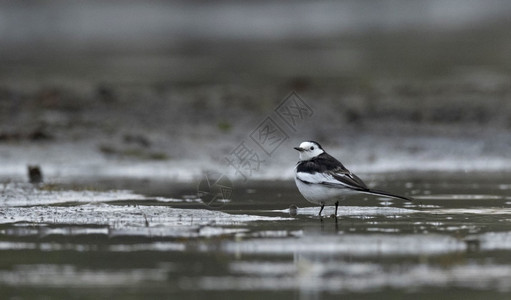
168	88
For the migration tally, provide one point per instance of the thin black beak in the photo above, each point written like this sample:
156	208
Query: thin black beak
299	149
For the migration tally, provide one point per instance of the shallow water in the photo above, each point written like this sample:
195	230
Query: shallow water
133	239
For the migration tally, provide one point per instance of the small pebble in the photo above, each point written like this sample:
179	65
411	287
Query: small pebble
293	210
35	175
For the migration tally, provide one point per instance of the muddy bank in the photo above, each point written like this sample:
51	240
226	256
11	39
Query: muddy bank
418	93
177	132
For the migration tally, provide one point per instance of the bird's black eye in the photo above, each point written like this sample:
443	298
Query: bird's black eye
312	148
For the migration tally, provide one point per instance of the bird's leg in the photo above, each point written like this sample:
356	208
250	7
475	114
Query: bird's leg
336	206
322	206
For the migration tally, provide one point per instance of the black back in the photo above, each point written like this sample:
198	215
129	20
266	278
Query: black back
319	164
325	163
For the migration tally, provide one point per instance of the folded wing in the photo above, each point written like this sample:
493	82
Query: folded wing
335	178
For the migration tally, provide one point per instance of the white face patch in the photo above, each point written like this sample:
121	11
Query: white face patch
309	150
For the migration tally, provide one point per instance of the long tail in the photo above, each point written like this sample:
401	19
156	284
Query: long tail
383	193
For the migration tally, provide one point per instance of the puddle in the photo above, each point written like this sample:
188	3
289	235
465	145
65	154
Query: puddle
267	240
352	245
120	216
458	197
19	194
345	277
51	276
351	211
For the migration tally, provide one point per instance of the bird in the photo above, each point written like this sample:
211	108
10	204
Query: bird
323	180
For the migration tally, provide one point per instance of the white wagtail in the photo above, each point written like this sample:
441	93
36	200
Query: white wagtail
323	180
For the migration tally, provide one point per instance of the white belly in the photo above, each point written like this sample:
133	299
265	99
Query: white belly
321	194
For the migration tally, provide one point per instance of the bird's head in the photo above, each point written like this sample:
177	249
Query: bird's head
309	150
